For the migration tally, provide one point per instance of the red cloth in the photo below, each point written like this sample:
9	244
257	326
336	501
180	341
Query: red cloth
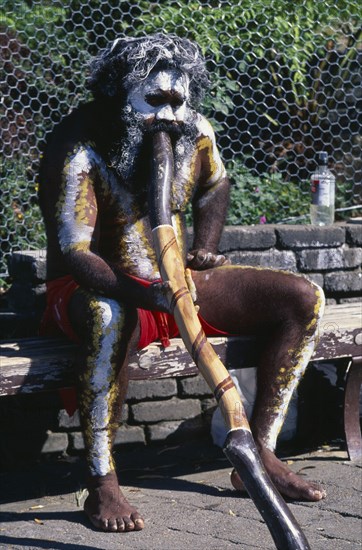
154	325
55	321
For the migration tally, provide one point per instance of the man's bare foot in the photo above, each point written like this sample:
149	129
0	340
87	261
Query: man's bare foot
107	508
287	482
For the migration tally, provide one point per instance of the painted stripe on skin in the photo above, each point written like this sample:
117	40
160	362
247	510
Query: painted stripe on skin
303	355
98	399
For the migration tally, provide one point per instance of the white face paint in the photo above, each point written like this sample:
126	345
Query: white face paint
162	95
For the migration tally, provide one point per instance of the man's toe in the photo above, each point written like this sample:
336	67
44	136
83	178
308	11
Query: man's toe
129	525
120	525
138	522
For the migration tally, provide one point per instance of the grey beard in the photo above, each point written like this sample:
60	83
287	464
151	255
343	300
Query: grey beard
125	151
124	154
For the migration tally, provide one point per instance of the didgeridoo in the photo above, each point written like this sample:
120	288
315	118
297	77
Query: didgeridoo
239	446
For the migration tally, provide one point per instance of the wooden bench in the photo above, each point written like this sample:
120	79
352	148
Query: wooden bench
44	364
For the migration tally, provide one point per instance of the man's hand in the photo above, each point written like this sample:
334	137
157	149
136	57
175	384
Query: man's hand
202	259
157	296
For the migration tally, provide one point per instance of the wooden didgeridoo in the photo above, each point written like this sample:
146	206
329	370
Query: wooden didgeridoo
239	447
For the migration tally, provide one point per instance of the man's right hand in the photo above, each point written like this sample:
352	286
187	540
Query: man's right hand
157	296
202	259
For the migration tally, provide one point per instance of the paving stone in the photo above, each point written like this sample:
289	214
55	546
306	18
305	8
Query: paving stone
184	494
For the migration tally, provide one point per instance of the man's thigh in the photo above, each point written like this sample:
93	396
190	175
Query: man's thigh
241	299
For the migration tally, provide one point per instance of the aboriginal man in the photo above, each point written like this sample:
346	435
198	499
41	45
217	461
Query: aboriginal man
104	288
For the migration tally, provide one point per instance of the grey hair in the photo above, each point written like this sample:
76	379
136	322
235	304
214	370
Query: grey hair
129	60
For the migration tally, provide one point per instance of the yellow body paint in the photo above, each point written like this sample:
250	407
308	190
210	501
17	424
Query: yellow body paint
99	388
288	381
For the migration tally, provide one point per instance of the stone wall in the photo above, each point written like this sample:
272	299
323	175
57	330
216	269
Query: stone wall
168	409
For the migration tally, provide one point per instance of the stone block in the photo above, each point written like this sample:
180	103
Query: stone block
151	389
76	441
23	297
28	265
275	259
194	386
176	431
129	434
316	278
310	236
208	404
329	258
55	443
20	414
172	409
256	237
354	234
67	422
162	430
343	282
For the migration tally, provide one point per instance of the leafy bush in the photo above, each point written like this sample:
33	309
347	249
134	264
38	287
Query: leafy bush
21	223
260	199
277	69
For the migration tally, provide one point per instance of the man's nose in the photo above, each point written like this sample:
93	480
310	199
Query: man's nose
166	113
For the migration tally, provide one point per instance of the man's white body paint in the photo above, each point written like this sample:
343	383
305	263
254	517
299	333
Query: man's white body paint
155	84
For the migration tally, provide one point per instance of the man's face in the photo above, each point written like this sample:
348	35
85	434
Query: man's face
161	97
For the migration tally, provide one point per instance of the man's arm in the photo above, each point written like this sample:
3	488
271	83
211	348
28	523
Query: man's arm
210	205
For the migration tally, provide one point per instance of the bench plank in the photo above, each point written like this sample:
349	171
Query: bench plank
44	364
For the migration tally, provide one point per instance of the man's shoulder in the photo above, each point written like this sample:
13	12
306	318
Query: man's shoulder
72	134
204	127
73	128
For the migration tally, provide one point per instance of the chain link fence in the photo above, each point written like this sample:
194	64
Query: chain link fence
285	84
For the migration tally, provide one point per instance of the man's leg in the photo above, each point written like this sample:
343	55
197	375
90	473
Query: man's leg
284	311
106	330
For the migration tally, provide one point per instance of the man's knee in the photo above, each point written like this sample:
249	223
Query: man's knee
114	317
94	316
308	299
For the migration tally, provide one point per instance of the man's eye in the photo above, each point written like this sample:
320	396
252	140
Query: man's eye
155	100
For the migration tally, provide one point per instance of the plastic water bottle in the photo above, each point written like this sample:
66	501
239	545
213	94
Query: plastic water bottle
323	189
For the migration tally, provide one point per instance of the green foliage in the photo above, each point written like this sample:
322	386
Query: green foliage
268	44
269	199
21	224
261	199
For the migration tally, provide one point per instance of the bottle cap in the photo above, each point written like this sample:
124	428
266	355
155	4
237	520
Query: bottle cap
323	158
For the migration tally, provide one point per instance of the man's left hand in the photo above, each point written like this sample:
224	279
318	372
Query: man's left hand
202	259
